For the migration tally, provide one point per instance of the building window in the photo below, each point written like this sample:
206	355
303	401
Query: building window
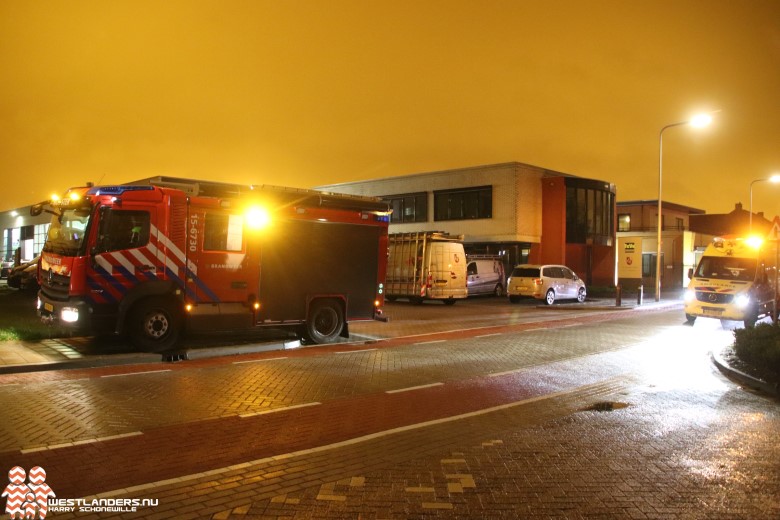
589	213
41	231
463	204
624	222
410	207
680	224
223	232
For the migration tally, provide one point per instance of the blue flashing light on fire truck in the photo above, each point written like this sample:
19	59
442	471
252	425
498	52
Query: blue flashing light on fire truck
155	260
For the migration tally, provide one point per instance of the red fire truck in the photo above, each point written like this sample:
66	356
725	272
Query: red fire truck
154	260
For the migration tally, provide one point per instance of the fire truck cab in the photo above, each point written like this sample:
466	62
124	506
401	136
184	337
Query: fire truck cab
151	261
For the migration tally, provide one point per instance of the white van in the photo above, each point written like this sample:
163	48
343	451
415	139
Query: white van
426	265
485	275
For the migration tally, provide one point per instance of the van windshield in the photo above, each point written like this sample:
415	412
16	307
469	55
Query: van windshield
727	268
526	272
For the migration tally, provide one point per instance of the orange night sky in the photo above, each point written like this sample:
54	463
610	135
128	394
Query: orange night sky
310	92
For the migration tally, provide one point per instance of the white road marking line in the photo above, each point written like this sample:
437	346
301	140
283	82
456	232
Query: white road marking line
355	351
431	342
137	373
274	410
79	443
409	389
258	360
489	335
496	374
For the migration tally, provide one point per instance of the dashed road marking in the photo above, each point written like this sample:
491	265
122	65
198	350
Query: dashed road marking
355	351
431	342
258	360
79	443
274	410
410	388
137	373
488	335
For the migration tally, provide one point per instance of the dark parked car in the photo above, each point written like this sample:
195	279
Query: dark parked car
6	269
25	275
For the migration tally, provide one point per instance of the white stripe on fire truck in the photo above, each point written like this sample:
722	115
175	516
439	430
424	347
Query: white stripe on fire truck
127	264
170	264
142	255
171	247
105	264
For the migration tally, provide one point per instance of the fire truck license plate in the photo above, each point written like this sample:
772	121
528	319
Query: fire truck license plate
49	307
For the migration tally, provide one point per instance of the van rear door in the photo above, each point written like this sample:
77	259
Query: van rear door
447	270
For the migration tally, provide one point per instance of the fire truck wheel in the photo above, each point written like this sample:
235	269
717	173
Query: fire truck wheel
155	325
325	321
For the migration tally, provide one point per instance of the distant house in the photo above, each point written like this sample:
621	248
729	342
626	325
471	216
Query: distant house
735	223
637	237
686	233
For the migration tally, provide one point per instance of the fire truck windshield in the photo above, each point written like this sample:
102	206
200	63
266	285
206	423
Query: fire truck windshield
67	232
727	268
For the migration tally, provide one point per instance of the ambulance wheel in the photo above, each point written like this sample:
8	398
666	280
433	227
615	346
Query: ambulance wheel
690	318
155	325
549	298
325	321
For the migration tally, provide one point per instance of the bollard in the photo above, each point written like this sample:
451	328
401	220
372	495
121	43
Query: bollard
640	295
618	295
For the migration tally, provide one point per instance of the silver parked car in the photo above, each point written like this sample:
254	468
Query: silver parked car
545	282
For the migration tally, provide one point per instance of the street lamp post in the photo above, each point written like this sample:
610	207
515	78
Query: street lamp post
698	121
774	179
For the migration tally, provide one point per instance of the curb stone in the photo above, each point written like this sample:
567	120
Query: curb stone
742	378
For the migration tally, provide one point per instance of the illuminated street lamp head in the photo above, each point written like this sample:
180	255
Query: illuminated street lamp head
700	120
775	178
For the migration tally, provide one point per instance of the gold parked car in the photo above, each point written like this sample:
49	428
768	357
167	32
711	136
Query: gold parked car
545	282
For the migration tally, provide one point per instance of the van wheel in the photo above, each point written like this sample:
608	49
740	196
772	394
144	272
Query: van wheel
549	298
498	291
325	321
155	325
581	295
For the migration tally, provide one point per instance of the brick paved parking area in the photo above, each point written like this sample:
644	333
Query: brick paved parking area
616	418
